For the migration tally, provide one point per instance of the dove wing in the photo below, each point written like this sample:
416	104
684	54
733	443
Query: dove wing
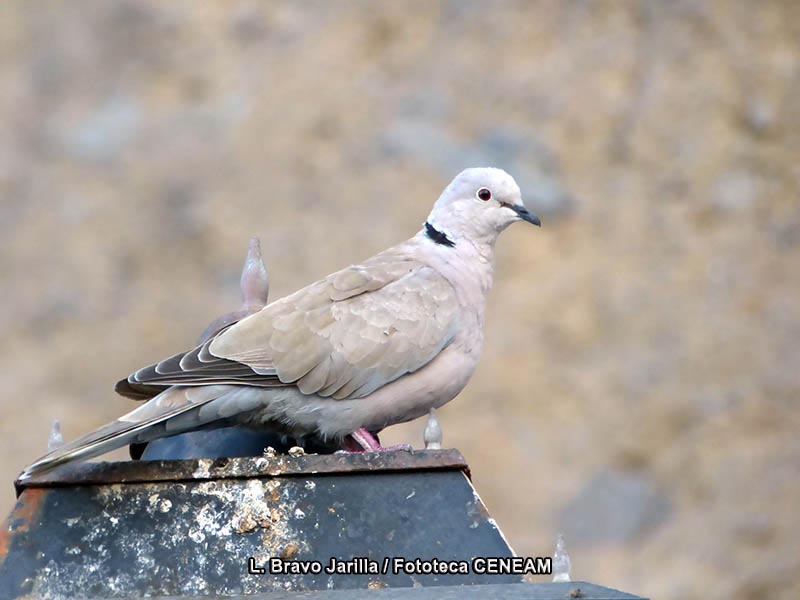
342	337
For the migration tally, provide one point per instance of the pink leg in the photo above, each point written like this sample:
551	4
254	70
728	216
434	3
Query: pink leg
362	440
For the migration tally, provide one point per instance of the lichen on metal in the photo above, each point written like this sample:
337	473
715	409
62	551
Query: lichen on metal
195	526
244	467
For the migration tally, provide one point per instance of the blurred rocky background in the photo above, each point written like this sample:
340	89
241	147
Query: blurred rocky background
639	385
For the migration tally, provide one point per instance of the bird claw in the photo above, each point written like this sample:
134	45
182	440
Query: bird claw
362	440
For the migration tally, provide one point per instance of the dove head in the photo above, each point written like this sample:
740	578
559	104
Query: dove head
477	205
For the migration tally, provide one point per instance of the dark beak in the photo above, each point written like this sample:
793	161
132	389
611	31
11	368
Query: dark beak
526	215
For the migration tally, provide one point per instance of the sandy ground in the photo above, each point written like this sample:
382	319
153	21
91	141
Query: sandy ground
639	385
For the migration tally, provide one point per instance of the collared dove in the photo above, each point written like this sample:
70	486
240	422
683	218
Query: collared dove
372	345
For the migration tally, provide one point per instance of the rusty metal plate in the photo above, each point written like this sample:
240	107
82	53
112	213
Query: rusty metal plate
147	471
183	528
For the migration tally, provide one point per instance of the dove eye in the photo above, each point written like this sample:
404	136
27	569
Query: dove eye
484	194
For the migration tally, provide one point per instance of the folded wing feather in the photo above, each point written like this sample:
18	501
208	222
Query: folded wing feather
342	337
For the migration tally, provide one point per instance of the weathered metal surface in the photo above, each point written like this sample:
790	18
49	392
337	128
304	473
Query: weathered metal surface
177	528
576	590
243	467
25	513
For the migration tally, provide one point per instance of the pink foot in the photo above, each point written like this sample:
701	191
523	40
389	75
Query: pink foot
362	440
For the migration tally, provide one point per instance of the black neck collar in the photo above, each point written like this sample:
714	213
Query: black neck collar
438	236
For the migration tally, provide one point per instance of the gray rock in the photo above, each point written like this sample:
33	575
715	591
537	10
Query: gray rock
615	506
735	190
104	134
759	115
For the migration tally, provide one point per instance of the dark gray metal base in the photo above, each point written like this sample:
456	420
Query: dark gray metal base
184	528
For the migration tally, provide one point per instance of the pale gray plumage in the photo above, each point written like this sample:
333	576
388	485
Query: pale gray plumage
371	345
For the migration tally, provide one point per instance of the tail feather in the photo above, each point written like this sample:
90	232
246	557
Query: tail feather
144	424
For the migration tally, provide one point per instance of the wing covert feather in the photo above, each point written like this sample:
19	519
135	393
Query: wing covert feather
342	337
351	333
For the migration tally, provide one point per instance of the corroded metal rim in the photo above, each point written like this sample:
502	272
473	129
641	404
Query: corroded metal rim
505	591
146	471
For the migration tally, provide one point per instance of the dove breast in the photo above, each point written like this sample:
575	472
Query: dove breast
404	399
